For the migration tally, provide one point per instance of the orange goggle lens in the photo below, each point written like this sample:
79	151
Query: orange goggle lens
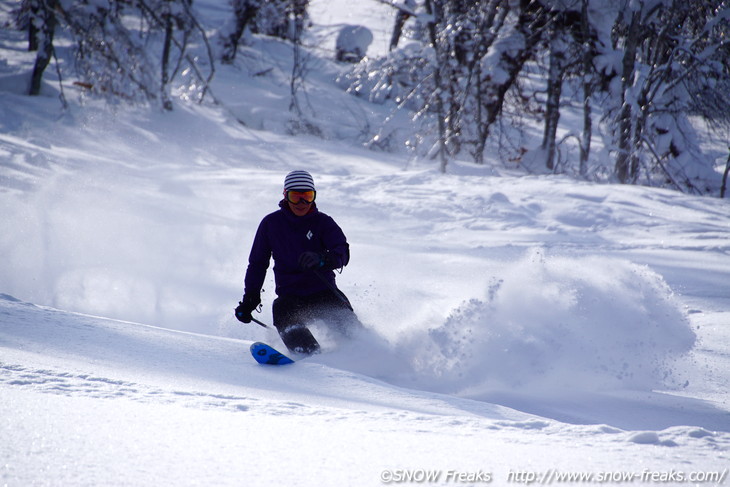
298	196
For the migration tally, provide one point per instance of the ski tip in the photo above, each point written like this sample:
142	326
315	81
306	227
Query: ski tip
267	355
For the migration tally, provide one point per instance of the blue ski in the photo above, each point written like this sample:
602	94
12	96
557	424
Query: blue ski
267	355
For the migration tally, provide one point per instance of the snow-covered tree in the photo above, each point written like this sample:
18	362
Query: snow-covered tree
123	50
673	57
244	13
280	18
641	68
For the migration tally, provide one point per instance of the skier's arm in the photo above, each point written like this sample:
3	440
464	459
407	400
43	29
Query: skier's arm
337	250
258	262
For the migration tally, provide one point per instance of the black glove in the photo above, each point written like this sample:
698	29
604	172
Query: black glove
310	260
246	307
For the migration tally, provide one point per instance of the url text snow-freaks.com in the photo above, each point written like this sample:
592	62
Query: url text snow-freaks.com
550	477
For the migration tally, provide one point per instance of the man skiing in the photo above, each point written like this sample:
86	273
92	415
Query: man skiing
307	246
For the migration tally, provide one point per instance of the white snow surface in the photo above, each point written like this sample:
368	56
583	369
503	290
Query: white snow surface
519	329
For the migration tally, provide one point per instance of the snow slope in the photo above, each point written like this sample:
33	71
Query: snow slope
92	401
518	328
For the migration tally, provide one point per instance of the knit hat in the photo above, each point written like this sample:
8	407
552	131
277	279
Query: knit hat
299	181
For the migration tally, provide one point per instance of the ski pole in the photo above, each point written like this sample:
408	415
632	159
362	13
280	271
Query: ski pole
334	290
259	323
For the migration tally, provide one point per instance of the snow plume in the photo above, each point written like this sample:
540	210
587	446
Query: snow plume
558	322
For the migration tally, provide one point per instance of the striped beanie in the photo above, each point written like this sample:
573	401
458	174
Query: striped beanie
299	181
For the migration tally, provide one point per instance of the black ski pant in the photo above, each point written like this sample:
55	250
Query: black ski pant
292	315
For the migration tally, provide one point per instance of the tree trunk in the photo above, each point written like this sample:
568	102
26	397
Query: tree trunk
33	11
724	177
400	19
45	45
530	24
244	14
165	77
585	146
626	115
552	105
434	10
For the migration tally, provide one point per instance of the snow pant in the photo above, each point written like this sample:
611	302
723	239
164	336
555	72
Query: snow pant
292	315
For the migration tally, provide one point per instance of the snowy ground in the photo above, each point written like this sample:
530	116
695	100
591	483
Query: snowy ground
91	401
519	329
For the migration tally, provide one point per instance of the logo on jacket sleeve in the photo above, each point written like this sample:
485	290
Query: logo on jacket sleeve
310	235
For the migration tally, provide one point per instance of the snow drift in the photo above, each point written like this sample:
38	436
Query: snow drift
589	323
545	324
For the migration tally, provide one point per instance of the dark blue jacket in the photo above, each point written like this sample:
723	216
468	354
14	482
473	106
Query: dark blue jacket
285	236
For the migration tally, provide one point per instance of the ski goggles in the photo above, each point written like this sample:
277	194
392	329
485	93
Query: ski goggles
301	196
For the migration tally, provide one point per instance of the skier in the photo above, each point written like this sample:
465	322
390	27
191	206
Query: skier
307	246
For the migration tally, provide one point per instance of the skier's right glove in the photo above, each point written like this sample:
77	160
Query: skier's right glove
246	307
310	260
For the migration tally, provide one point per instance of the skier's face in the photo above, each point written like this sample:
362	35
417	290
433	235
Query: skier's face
300	209
300	202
